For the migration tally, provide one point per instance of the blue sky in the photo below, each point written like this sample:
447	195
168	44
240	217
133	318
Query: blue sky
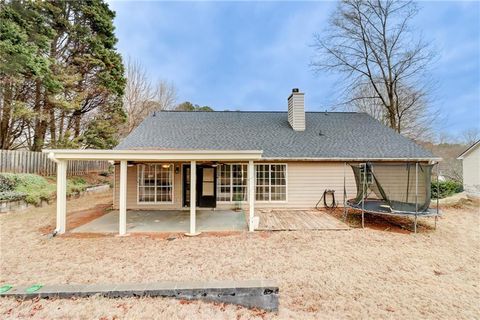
249	55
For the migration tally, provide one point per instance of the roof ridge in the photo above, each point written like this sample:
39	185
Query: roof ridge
255	111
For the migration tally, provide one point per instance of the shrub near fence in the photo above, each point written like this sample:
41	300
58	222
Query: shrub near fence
22	161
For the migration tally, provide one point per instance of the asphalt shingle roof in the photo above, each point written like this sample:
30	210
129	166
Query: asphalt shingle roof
327	135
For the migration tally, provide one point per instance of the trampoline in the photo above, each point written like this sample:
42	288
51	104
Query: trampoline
395	189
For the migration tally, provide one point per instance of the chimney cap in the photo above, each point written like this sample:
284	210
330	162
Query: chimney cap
295	90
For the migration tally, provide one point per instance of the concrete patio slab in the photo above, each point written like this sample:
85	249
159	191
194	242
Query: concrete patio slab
167	221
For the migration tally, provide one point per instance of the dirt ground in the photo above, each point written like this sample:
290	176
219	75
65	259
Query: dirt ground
374	272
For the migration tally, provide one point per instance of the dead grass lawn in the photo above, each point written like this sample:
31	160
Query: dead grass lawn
361	273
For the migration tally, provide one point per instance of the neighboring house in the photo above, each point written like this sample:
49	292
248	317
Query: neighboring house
471	169
175	158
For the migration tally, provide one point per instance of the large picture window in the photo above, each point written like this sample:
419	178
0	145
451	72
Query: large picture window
271	182
155	183
232	182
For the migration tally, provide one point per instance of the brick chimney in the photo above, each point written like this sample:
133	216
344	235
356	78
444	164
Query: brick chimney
296	110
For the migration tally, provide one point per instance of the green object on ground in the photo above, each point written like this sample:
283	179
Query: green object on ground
34	288
5	288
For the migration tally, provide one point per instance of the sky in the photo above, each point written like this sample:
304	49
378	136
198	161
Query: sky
249	55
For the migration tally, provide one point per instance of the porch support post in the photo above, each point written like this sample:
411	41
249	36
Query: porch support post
193	199
251	195
122	206
61	196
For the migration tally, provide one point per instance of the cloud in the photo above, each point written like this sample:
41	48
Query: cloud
249	55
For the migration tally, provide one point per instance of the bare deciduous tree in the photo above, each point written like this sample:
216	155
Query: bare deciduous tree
142	97
470	136
413	115
384	65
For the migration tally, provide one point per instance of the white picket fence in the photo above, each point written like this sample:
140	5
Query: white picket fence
22	161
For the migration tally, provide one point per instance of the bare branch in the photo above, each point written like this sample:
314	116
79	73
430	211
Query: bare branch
141	98
384	64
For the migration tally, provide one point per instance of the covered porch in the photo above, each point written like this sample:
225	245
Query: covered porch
192	221
146	221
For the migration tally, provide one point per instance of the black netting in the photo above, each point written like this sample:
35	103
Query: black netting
404	187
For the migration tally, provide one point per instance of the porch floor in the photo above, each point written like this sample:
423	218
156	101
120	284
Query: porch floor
167	221
277	220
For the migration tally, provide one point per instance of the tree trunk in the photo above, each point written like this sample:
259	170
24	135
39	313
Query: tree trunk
6	115
41	129
61	125
77	117
392	110
38	131
53	128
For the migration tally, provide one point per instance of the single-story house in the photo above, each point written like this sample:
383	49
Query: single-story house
471	169
185	160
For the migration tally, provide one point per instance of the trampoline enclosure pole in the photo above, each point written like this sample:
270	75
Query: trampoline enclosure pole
363	193
438	192
344	193
416	195
438	183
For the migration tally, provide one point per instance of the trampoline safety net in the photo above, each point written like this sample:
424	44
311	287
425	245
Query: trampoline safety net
404	187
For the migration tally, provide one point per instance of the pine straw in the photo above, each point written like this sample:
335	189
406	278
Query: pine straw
361	273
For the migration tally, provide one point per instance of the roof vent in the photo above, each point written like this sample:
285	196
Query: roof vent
296	110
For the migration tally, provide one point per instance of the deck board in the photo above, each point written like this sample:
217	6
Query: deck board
279	219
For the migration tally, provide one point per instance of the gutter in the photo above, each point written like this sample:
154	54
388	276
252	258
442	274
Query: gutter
186	155
353	159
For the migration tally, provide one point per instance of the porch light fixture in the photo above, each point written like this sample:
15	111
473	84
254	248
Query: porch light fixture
215	164
165	166
130	164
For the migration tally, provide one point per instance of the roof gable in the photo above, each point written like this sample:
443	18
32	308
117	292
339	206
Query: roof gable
469	150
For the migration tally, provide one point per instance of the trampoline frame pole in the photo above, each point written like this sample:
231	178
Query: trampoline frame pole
416	196
363	193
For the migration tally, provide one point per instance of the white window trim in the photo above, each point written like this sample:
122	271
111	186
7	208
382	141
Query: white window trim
269	182
231	185
155	202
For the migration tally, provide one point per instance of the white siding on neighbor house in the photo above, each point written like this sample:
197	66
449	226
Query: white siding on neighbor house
471	171
306	182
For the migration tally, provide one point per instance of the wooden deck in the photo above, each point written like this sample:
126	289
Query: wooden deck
277	220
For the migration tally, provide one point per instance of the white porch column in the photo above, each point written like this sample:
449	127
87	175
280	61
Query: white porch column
251	195
61	196
122	206
193	199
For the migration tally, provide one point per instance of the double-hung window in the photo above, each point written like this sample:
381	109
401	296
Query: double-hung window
271	182
232	182
155	183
